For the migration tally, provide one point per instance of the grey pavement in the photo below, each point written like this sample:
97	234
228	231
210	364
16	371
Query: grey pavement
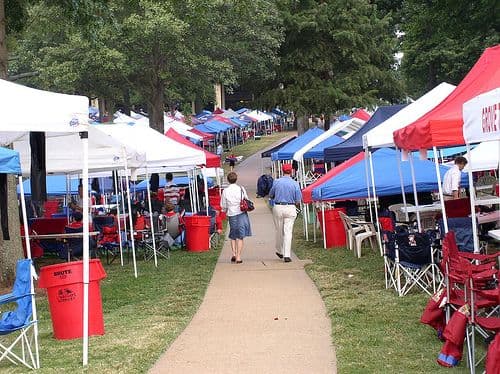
261	316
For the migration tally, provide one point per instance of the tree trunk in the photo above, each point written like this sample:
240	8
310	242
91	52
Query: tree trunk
126	101
157	106
10	250
3	43
326	125
302	124
198	105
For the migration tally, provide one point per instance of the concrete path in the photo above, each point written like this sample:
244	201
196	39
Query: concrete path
261	316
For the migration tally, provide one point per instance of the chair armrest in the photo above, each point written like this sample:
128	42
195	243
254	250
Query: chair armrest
10	297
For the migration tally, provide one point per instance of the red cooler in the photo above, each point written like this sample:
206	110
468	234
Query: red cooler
64	284
197	233
335	232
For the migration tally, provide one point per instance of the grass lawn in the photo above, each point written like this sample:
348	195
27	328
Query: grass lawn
373	330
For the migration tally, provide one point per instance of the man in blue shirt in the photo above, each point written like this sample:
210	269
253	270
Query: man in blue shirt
287	196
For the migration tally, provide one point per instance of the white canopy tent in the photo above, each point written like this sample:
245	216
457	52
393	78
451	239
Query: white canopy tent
36	110
381	136
181	127
482	124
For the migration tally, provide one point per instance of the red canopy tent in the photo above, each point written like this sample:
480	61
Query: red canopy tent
307	192
443	125
206	136
218	111
361	114
213	161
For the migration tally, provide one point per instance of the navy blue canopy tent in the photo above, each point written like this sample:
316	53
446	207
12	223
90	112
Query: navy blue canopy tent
318	149
276	148
354	144
351	183
9	161
287	151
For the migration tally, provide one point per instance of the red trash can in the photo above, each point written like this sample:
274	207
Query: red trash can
64	284
197	233
335	232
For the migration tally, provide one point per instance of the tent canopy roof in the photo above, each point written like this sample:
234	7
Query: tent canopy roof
443	126
381	136
212	160
286	152
354	144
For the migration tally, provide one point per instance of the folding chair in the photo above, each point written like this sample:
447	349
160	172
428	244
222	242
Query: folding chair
74	246
410	262
108	241
21	321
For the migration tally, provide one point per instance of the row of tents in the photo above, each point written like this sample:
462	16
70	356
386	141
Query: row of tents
387	155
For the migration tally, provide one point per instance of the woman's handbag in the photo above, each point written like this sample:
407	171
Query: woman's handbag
245	204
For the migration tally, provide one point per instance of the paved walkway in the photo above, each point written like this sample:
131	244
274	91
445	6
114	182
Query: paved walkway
261	316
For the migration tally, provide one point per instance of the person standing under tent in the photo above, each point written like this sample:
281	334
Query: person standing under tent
287	197
451	179
239	223
171	191
219	150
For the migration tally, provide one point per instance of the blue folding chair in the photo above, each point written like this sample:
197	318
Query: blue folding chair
20	321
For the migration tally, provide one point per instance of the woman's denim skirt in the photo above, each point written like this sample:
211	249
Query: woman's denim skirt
239	226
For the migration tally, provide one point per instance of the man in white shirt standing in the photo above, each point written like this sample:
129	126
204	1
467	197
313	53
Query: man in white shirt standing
451	180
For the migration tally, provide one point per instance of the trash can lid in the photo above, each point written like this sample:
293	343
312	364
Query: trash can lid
69	273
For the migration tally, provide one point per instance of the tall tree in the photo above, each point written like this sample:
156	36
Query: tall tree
336	55
444	38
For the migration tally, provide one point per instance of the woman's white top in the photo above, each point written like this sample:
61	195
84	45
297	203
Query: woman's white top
231	197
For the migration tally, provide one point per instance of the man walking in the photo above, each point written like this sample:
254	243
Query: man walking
287	196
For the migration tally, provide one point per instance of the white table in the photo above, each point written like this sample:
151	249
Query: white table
436	207
495	234
488	217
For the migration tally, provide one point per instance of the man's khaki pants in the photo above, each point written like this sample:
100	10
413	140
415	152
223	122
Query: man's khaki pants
284	217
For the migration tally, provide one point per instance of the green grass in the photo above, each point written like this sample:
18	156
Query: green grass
142	316
373	330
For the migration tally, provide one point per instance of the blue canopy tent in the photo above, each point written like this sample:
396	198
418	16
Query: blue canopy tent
287	151
344	117
56	185
351	183
318	149
276	148
242	110
9	161
279	112
203	113
213	127
354	144
239	122
179	181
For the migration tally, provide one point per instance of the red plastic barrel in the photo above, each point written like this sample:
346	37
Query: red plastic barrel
335	232
197	233
64	284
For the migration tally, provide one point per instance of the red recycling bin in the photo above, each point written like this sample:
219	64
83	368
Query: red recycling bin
197	233
335	232
64	284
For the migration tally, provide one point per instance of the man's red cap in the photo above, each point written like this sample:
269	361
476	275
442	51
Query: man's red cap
287	168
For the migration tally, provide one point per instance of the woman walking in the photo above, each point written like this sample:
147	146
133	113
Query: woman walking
239	223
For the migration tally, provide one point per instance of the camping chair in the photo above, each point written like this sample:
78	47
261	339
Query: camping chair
108	241
74	246
462	227
20	321
409	261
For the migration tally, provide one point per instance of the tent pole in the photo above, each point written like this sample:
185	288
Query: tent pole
472	193
314	221
413	181
85	198
205	187
151	218
119	220
401	181
32	273
68	195
323	223
377	225
440	189
130	219
367	179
